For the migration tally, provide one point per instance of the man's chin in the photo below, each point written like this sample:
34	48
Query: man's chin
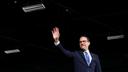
83	48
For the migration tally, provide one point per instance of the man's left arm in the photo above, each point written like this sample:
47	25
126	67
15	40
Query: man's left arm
98	65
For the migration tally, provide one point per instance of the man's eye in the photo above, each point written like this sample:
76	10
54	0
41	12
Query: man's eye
82	41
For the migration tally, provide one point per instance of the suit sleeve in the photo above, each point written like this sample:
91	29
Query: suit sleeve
98	65
66	52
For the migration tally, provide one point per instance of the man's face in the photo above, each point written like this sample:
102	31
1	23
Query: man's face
84	43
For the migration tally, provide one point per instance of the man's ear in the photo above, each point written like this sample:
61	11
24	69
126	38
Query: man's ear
89	43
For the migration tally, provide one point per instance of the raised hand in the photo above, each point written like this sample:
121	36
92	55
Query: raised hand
56	34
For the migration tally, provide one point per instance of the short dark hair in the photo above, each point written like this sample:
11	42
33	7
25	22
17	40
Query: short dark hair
84	35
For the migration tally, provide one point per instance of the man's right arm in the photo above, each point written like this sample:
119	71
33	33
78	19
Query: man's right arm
65	51
56	36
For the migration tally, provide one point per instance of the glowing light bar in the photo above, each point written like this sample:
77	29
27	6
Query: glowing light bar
115	37
12	51
33	7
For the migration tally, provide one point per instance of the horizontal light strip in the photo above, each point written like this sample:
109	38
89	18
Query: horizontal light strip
12	51
33	7
115	37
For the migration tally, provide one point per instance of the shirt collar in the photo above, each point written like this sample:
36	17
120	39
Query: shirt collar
87	51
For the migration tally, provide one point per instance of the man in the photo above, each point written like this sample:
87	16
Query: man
84	61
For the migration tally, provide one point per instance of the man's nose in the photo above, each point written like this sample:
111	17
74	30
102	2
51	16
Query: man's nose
82	43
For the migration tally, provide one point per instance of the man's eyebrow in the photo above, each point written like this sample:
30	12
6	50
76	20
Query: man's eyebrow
83	40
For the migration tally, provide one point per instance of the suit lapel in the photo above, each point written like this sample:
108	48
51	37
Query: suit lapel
82	57
92	58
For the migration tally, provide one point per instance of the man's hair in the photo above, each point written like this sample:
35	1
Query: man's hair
85	35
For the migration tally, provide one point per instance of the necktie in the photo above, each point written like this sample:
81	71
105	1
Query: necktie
87	58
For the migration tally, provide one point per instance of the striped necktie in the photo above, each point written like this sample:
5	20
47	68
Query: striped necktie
87	58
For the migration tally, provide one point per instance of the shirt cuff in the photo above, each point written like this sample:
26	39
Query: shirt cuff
57	43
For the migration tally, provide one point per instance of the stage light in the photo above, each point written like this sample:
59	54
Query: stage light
115	37
35	7
12	51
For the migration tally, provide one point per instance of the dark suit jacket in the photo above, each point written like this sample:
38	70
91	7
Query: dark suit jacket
80	64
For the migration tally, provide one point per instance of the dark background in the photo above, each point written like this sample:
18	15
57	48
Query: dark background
31	33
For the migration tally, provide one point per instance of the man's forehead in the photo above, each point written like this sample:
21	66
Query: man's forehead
83	38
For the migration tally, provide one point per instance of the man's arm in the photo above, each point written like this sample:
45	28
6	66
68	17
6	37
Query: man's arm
98	65
56	36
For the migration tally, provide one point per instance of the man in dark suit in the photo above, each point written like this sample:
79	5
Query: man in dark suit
84	60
